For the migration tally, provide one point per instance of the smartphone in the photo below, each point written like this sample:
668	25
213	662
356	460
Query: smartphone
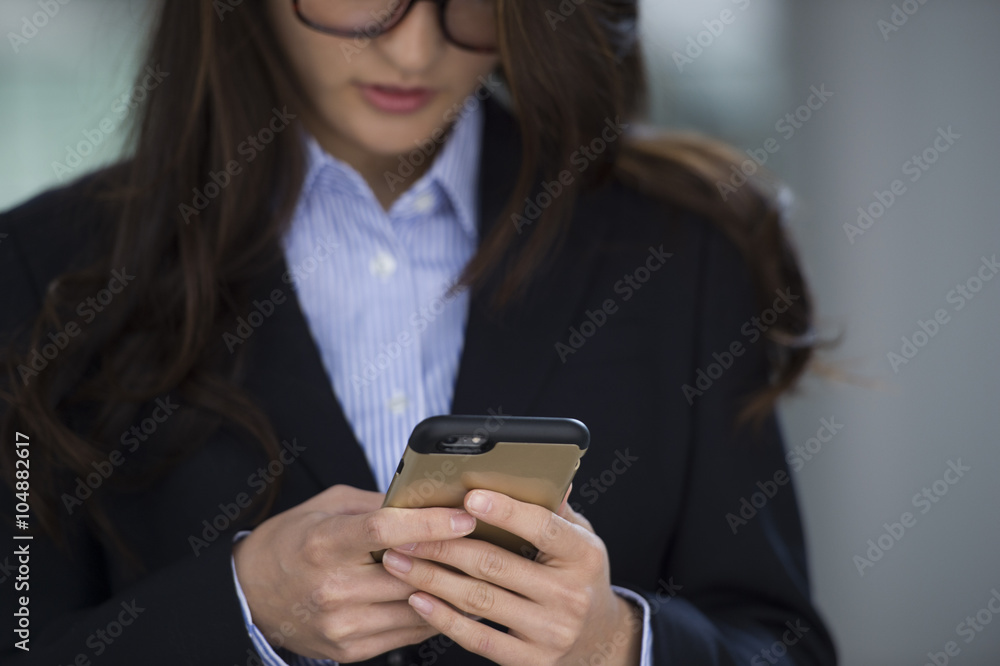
532	459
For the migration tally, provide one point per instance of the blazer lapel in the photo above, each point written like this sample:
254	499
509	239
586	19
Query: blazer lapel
505	358
287	374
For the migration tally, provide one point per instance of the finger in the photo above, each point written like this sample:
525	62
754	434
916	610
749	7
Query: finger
475	637
371	620
394	639
365	584
490	563
548	532
468	594
389	527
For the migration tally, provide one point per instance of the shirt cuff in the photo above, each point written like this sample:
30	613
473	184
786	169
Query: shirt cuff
647	635
268	655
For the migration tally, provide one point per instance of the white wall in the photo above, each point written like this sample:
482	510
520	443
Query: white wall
938	70
61	82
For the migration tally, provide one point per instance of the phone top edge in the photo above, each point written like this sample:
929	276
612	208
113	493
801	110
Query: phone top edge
526	429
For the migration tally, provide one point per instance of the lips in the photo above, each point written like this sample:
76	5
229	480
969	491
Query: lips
394	99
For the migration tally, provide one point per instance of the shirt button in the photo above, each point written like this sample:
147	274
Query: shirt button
382	265
398	403
396	658
423	203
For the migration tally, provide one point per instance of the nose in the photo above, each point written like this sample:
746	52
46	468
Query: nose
416	43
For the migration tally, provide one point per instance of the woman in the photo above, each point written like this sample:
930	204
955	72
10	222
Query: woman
218	348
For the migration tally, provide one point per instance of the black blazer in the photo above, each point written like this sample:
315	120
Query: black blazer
661	475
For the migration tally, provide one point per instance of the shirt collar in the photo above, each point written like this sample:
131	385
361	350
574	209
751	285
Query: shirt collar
455	169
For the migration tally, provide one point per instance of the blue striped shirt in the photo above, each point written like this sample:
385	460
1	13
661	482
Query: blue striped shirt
375	289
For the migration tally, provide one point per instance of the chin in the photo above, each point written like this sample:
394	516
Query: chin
396	138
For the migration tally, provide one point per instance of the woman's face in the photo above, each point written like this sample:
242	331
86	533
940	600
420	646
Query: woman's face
346	81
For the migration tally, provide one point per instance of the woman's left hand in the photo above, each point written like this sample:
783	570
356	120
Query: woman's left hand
559	608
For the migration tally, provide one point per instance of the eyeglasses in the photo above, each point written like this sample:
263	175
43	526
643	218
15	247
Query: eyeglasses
468	24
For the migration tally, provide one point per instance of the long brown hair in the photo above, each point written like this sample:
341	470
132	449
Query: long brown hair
566	74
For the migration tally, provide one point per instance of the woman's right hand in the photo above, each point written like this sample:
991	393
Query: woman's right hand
313	587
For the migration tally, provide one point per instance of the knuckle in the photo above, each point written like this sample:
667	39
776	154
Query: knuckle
336	631
550	530
505	511
491	564
594	555
430	526
482	641
448	624
314	549
562	638
325	595
375	527
481	598
576	603
427	576
434	550
351	653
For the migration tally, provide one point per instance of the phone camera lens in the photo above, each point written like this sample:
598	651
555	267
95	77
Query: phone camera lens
449	440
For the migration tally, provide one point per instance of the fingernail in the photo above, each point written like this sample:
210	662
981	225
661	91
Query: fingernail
396	561
407	546
421	605
462	523
480	503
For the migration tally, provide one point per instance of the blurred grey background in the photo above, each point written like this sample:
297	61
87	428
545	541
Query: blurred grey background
895	76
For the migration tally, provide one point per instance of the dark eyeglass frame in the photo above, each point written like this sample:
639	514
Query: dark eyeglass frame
442	6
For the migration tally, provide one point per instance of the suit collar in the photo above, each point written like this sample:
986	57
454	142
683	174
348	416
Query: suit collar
504	359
